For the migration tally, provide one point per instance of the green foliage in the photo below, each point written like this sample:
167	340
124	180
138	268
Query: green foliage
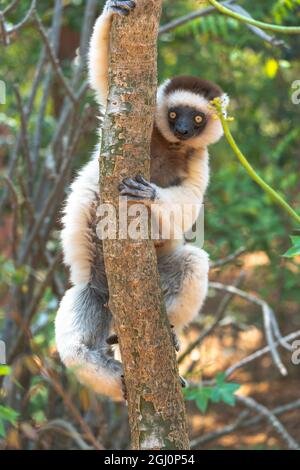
295	250
7	415
221	392
10	275
282	8
4	371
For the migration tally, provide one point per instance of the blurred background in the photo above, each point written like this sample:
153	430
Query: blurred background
48	130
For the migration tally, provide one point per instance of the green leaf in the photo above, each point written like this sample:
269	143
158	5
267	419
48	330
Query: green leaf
204	394
220	378
4	371
8	414
202	403
2	429
295	250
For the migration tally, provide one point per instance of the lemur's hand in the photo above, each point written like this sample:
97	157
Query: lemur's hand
137	189
120	7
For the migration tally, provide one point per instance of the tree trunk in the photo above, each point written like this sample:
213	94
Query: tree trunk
155	403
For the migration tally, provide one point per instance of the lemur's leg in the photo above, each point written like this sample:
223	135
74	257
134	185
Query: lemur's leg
184	282
82	326
83	321
99	47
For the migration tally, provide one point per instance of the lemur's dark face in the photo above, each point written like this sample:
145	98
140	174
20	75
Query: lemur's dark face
186	122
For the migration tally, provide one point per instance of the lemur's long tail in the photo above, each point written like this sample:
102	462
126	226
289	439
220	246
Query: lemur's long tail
82	328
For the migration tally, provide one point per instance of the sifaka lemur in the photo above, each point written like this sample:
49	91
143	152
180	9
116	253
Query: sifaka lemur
184	126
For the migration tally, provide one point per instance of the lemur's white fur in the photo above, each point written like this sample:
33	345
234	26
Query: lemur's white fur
188	196
183	268
77	216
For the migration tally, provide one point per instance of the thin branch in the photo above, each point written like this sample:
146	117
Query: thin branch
274	195
268	314
224	304
61	425
57	186
15	207
242	422
274	422
24	135
261	352
259	32
191	16
54	60
28	109
3	31
25	20
49	376
259	24
32	308
11	7
87	26
228	259
54	43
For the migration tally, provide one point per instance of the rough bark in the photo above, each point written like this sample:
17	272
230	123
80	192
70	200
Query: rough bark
155	403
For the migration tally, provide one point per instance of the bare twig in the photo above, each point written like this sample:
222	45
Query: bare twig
54	60
259	32
3	31
274	422
226	300
242	422
61	425
257	354
24	136
49	376
15	209
268	316
25	20
191	16
228	259
11	7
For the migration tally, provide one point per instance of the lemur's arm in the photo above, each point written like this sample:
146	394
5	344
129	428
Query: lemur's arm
99	47
184	200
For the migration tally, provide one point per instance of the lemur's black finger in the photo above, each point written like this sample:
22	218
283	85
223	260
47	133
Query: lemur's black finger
129	4
121	7
136	194
140	179
113	339
175	338
130	183
183	382
124	389
120	11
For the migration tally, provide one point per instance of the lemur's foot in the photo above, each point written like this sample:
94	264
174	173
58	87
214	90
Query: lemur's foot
176	341
121	7
183	382
137	189
124	388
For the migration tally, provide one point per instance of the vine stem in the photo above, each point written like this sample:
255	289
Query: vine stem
259	24
250	170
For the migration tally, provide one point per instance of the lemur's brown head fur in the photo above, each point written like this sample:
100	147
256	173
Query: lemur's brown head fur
183	113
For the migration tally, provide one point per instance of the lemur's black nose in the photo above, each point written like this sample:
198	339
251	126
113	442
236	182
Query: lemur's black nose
181	132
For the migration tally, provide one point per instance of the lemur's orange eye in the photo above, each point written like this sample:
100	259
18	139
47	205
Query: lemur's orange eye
172	115
198	119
